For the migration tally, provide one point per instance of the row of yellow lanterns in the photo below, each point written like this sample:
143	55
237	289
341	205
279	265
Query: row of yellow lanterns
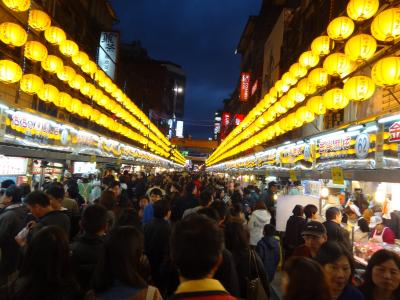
14	35
358	49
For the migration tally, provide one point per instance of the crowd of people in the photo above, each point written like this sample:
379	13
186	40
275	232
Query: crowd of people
175	236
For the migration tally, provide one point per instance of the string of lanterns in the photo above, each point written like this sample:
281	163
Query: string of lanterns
306	77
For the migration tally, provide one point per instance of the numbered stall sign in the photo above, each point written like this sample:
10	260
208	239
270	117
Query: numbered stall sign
362	145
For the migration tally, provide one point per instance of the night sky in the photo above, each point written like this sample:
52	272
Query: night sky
199	35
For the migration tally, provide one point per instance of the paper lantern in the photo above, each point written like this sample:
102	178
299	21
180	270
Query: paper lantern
322	45
305	115
89	68
88	89
306	87
66	73
360	47
97	95
13	34
86	111
48	93
288	79
287	102
52	64
337	64
31	84
69	48
316	105
17	5
281	87
35	51
10	72
360	10
319	77
386	25
110	88
298	71
359	88
273	92
39	20
340	28
386	72
55	35
335	99
80	59
296	95
308	60
95	115
64	100
77	82
99	75
76	105
279	108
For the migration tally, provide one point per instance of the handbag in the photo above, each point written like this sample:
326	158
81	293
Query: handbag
255	289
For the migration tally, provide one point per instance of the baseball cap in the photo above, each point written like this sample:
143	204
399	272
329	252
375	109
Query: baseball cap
314	228
375	220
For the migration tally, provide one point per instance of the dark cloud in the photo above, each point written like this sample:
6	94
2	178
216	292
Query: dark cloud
201	36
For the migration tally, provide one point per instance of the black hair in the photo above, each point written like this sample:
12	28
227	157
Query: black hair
205	198
14	192
237	238
221	208
157	192
94	218
37	197
298	210
56	190
331	213
107	199
209	212
269	230
196	245
25	189
310	210
161	209
189	188
6	183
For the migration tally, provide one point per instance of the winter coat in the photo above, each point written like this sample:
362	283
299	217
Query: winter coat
338	234
268	248
227	274
258	219
294	227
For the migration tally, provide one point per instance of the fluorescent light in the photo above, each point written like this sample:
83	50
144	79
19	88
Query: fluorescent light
354	128
286	143
2	106
300	142
388	119
372	128
326	136
353	133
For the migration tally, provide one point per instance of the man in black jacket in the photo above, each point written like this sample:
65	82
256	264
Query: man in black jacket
336	232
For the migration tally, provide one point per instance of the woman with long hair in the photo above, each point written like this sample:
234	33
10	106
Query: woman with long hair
382	277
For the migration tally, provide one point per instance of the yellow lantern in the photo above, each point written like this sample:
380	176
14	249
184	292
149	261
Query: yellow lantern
281	87
298	71
288	79
17	5
39	20
279	108
359	88
69	48
337	64
360	47
10	72
386	72
296	95
335	99
88	89
319	77
86	111
48	93
64	100
360	10
316	105
386	25
305	115
55	35
76	105
13	34
95	115
306	87
273	93
99	75
287	102
80	59
35	51
52	64
97	95
322	45
66	73
110	88
308	60
89	68
340	28
31	84
77	82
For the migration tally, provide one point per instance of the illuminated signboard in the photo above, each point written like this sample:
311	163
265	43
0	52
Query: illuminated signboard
238	119
13	166
108	50
179	129
394	132
226	119
244	86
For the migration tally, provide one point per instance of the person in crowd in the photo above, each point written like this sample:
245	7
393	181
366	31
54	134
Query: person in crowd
25	189
269	250
205	200
38	204
304	279
248	264
379	232
143	202
314	235
86	249
140	185
196	249
108	200
311	212
361	229
115	187
236	214
189	200
85	187
73	193
338	266
382	277
156	242
148	213
258	219
46	270
269	197
117	272
12	220
294	227
334	230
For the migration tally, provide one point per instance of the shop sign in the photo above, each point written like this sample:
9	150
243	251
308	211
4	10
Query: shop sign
108	50
244	86
394	132
337	175
362	145
334	147
13	166
226	119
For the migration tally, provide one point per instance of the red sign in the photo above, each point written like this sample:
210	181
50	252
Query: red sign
244	86
394	132
226	119
238	118
254	87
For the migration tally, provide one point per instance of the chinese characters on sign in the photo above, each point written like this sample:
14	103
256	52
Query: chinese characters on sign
244	86
226	119
333	148
108	52
394	132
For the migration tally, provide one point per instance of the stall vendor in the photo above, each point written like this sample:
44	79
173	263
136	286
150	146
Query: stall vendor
380	233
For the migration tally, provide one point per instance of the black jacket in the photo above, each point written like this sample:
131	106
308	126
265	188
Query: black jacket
338	234
294	227
181	205
227	274
56	218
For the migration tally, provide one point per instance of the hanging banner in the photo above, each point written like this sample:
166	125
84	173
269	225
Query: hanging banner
108	49
244	86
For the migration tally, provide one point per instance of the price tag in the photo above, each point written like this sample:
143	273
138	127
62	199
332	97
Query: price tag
362	145
337	175
92	158
292	174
